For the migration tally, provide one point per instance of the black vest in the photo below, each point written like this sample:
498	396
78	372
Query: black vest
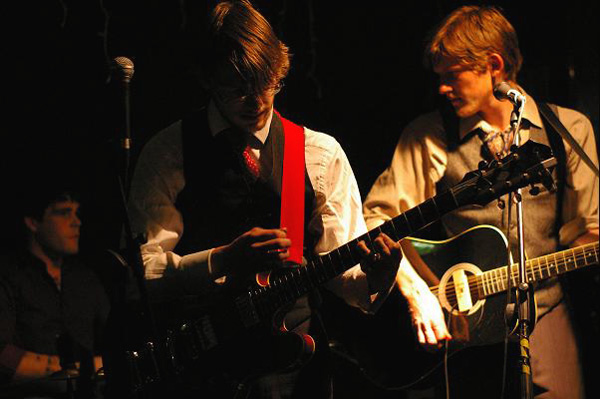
220	201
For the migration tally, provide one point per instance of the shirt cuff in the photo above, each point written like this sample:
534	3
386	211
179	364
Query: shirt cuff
353	287
571	230
200	263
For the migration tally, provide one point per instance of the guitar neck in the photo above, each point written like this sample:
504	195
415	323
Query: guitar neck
528	165
295	282
538	269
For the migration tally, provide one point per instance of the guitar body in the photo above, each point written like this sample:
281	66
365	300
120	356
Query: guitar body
388	354
469	275
223	342
212	347
472	252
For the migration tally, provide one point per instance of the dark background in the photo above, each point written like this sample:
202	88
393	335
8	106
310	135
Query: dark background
356	74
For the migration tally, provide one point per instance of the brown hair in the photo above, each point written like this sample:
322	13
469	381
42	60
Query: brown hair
470	34
238	35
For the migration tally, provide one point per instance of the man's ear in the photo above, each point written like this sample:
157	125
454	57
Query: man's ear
496	67
31	224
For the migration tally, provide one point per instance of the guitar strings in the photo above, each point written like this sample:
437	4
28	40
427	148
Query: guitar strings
485	280
492	280
583	254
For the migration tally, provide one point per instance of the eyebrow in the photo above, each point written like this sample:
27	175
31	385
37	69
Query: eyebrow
65	208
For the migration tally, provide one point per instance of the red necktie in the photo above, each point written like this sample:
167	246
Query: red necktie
251	161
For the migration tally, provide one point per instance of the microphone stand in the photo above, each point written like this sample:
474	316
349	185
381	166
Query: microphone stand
132	255
524	290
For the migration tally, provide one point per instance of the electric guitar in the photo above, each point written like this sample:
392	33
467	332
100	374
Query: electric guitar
469	289
240	335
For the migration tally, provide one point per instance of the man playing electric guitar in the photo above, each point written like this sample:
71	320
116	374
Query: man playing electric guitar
473	50
222	173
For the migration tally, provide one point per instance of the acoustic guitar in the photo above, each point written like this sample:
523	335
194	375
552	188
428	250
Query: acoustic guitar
472	276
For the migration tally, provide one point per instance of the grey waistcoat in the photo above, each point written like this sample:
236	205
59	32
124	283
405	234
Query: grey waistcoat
539	213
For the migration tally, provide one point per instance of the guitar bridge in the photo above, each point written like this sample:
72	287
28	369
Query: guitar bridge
461	289
247	311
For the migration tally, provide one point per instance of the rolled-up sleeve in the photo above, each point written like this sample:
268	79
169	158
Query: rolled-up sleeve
157	181
580	207
339	211
418	163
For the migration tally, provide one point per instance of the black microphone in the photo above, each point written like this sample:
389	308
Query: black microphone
504	91
124	68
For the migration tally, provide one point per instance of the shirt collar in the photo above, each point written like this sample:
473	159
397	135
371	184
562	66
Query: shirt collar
217	123
531	117
28	260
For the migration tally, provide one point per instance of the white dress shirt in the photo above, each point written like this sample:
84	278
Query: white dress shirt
159	178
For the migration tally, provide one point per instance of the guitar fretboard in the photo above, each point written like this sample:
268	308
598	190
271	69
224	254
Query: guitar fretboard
519	169
295	282
537	269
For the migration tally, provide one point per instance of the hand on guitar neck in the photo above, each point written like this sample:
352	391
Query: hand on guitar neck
381	262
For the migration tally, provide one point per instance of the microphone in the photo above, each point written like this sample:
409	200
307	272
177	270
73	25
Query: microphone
125	67
503	91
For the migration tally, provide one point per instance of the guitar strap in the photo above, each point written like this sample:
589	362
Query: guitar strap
292	187
549	111
550	115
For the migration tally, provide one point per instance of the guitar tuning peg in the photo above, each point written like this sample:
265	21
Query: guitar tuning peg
534	190
483	165
501	204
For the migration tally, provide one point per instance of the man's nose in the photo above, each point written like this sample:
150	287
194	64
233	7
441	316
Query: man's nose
444	89
255	100
75	221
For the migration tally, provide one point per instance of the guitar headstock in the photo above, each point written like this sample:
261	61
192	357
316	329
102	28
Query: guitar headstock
528	165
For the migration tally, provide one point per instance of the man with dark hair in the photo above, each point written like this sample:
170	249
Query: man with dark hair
473	50
52	307
219	172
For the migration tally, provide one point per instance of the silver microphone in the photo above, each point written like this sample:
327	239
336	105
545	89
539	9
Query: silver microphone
504	91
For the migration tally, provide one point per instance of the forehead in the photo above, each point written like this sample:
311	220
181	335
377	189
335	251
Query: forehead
227	76
62	206
450	65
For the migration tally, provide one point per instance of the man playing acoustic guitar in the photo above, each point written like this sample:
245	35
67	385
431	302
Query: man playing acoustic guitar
473	50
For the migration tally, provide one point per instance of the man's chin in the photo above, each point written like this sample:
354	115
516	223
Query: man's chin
464	112
253	125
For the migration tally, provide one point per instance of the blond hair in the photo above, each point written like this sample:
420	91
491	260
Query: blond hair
470	34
